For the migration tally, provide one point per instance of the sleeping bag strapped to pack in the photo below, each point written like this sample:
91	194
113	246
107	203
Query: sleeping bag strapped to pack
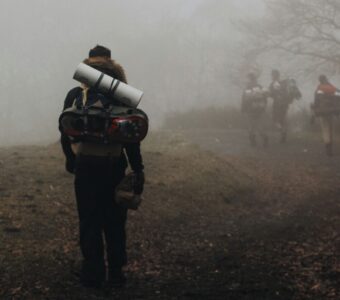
93	118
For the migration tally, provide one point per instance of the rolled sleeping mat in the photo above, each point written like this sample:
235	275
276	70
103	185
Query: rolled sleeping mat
106	84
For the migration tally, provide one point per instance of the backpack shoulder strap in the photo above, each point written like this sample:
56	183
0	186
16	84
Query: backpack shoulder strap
85	95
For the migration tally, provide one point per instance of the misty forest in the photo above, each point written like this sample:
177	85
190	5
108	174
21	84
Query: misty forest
237	182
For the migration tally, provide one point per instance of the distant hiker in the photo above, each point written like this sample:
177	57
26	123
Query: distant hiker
254	102
326	105
283	93
98	170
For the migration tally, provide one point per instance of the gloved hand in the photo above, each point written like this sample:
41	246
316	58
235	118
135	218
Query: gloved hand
70	165
138	185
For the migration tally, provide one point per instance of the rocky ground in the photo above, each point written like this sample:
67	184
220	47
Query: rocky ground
219	221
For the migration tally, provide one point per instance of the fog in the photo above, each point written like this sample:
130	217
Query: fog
183	54
176	51
241	188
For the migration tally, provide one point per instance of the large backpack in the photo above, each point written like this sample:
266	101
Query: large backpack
326	101
95	118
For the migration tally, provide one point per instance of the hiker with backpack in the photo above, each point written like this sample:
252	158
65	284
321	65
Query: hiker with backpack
98	169
254	103
326	106
283	93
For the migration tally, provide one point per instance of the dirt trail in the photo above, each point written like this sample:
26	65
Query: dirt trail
292	229
230	223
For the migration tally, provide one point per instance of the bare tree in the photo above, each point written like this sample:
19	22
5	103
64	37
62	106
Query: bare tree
308	28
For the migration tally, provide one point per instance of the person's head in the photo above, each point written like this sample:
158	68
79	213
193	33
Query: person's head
275	75
100	51
100	59
323	79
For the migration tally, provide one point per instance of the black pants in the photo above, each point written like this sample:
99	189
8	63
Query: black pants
99	216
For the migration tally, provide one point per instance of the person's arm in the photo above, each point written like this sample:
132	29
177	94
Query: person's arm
298	94
69	155
132	150
136	162
64	140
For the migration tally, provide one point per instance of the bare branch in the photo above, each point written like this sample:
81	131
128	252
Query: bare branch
308	28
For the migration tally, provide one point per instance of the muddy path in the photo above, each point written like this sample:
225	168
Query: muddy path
220	220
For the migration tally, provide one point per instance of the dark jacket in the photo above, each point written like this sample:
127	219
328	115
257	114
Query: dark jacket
284	92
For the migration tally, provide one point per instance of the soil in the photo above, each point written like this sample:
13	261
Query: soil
219	220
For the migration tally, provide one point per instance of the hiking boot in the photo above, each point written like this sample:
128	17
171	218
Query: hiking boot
116	278
88	283
92	274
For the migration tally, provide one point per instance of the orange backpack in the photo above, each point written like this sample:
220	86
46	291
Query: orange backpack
327	89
